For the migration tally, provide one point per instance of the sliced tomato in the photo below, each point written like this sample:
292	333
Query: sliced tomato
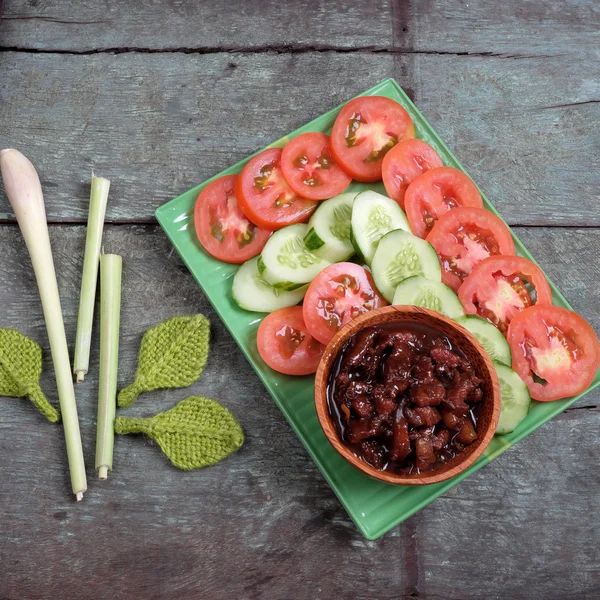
436	192
404	163
501	286
222	228
465	236
555	352
309	168
264	195
363	132
339	293
285	344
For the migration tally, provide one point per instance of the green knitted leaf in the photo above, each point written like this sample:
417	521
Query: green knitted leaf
197	432
172	355
20	370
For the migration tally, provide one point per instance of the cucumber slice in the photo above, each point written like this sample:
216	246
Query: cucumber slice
418	291
251	292
285	261
401	255
329	229
515	399
374	215
489	337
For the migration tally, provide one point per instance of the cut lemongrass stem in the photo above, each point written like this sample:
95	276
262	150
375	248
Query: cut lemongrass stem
110	317
22	186
89	279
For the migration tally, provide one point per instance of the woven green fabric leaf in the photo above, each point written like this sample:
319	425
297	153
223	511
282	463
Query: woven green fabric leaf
197	432
20	370
172	355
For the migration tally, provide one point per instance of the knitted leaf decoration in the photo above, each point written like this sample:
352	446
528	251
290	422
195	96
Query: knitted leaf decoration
20	370
197	432
172	355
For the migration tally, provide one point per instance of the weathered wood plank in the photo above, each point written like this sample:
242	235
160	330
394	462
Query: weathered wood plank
157	124
526	130
92	25
264	524
513	27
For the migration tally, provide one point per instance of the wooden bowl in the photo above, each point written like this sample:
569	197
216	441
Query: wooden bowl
462	339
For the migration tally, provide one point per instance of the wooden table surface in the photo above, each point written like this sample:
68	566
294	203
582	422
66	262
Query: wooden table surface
158	96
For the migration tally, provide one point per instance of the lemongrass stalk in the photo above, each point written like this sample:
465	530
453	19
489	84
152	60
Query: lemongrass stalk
110	316
89	279
22	186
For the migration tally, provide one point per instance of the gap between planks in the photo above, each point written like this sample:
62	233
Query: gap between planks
285	49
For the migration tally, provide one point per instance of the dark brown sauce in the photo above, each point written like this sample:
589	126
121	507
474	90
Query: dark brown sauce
381	363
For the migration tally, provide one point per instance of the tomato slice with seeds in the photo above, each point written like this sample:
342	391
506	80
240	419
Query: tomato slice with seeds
264	195
309	168
465	236
499	287
404	163
436	192
339	293
363	132
555	352
222	228
285	344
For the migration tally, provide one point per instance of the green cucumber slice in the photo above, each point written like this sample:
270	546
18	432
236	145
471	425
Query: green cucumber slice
374	215
286	263
251	292
515	399
401	255
489	337
418	291
329	229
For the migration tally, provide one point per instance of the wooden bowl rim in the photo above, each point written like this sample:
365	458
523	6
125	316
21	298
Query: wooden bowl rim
374	317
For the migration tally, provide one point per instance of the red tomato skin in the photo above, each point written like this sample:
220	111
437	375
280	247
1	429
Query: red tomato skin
442	237
480	281
406	161
257	204
535	321
326	286
331	180
352	160
304	360
218	195
432	191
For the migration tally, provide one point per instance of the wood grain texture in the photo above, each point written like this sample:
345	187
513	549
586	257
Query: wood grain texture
264	524
157	124
90	25
512	27
509	28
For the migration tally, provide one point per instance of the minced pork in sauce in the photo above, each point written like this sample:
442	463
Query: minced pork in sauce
403	398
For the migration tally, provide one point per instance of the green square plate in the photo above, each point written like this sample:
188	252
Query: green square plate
374	506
